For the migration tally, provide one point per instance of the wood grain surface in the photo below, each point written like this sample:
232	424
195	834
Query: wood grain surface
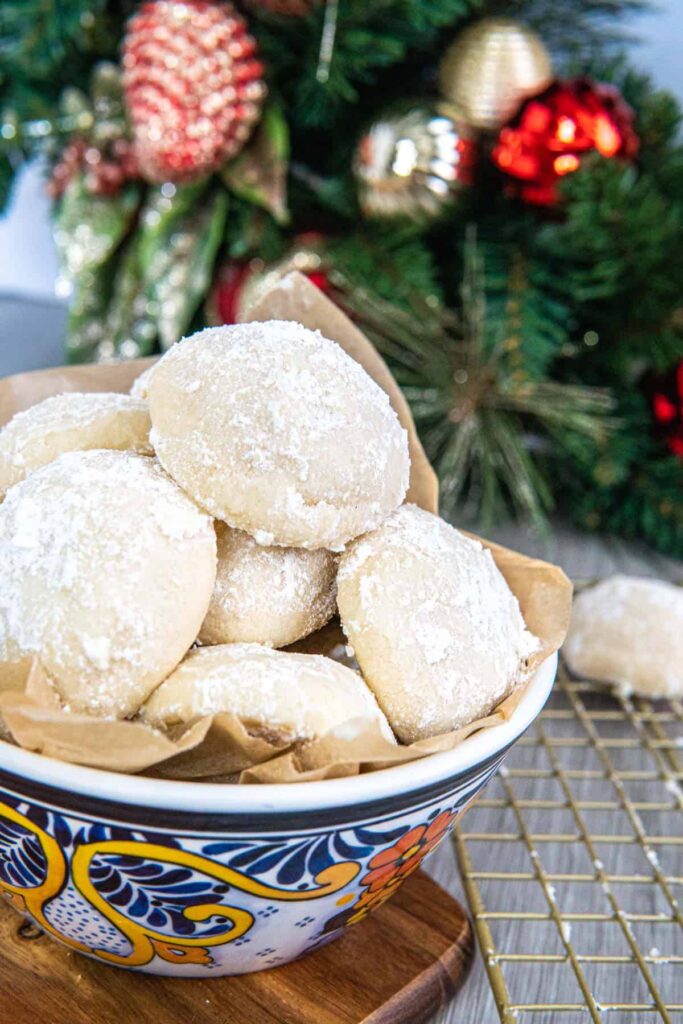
400	966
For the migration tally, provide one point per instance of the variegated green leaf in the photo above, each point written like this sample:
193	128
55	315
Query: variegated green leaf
259	173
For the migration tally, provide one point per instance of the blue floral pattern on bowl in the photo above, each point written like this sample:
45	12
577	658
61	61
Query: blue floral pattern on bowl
211	902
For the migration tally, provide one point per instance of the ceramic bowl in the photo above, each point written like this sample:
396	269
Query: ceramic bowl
185	879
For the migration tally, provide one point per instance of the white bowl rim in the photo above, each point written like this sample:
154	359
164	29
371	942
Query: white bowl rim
142	791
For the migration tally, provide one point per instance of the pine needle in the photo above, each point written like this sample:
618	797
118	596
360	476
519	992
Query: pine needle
490	431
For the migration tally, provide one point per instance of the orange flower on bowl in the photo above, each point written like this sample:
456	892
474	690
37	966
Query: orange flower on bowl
400	860
372	900
389	868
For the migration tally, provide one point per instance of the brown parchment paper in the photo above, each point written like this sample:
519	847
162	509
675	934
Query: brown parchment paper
219	747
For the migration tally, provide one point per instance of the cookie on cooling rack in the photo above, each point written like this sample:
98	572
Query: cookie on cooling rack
628	631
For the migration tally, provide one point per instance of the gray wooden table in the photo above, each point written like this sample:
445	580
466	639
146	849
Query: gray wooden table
31	337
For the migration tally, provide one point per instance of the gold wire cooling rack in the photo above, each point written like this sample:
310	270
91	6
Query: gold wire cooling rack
572	861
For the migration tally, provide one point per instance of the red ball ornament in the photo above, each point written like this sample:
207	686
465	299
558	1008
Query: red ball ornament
667	409
240	284
551	132
225	304
193	86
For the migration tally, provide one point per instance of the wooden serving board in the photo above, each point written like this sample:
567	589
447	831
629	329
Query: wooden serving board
399	966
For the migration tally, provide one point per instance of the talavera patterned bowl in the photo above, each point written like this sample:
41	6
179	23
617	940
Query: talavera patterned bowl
193	880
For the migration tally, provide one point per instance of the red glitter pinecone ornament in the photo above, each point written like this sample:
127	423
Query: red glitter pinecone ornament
193	86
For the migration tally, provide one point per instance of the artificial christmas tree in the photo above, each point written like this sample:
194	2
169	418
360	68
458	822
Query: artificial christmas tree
496	200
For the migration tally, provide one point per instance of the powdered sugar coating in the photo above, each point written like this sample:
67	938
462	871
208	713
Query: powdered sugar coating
277	431
107	572
268	595
294	696
138	388
436	630
71	422
628	630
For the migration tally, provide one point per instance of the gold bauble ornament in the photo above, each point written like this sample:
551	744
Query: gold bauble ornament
412	163
490	68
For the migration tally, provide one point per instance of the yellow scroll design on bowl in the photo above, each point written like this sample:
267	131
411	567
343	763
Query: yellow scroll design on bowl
146	943
32	899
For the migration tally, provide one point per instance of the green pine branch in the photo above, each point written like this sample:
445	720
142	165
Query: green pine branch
46	45
525	305
368	38
395	264
489	429
619	254
646	506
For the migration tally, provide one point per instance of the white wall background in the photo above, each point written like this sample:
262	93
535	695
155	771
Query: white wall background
28	264
28	260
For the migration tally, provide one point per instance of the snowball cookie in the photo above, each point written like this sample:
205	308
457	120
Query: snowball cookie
291	696
71	422
107	572
277	431
138	388
629	631
435	628
268	595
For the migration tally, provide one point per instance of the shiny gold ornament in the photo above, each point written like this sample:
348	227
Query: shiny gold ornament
412	164
491	68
